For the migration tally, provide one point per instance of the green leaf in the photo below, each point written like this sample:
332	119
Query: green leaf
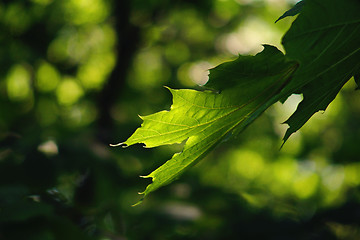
322	54
327	45
292	11
204	118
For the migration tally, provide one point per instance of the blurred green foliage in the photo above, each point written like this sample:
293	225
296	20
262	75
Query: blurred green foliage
75	74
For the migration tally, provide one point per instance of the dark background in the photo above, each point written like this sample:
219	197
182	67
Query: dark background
74	75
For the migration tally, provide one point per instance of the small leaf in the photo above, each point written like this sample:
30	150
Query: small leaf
293	11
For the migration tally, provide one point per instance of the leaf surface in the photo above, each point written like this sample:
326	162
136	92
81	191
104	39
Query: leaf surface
204	118
325	39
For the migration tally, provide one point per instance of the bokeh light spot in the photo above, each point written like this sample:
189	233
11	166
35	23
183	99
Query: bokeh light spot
149	70
86	11
199	72
305	185
284	170
94	73
333	177
18	83
79	115
68	91
248	164
47	77
352	174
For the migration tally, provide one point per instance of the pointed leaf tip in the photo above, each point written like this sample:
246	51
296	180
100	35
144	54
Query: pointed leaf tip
293	11
138	203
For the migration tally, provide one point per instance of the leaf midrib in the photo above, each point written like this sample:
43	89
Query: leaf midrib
143	139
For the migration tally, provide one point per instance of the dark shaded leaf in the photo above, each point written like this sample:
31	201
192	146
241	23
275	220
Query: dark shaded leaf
293	11
327	45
